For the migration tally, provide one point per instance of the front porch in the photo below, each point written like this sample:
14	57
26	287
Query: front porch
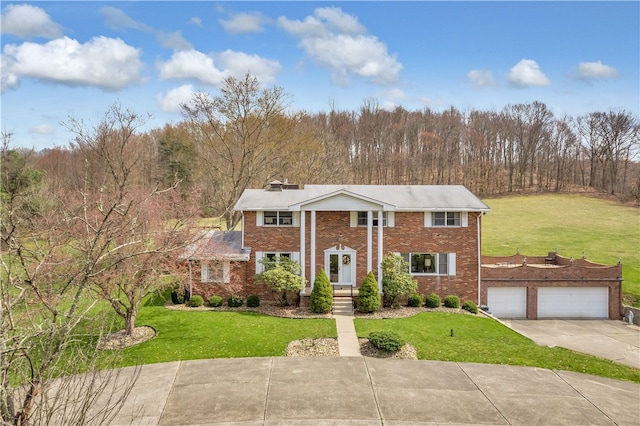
339	292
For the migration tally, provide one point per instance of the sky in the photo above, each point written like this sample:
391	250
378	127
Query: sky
73	60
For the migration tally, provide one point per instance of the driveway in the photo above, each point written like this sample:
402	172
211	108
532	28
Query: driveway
610	339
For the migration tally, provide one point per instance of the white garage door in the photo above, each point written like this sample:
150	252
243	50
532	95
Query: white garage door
573	302
507	302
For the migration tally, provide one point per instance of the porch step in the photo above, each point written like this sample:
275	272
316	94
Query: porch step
342	306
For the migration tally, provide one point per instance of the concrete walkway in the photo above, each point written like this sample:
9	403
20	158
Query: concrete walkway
369	391
609	339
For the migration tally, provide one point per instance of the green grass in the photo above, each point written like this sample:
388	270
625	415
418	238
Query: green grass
187	335
483	340
536	224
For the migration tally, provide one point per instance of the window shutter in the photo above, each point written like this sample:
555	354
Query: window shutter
295	256
296	219
204	271
464	219
452	264
226	272
391	219
353	219
427	219
259	221
259	266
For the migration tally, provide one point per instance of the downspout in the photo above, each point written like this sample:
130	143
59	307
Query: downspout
479	256
190	280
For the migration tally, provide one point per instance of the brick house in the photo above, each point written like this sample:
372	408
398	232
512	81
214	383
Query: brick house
346	230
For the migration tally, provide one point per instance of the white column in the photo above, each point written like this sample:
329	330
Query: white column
302	245
312	261
369	240
380	250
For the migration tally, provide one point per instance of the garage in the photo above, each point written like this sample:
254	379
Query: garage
573	302
507	302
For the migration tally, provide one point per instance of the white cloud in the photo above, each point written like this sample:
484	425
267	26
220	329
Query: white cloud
196	21
213	69
481	78
173	41
339	42
28	21
244	23
42	129
107	63
238	64
117	20
596	70
171	101
8	80
191	65
527	73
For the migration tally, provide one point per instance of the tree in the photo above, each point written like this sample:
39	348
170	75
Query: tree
321	299
141	226
368	295
282	276
396	280
243	139
44	310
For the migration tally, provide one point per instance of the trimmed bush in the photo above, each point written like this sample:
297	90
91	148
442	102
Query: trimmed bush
452	301
321	298
215	301
470	306
415	300
396	280
195	301
253	301
433	301
368	295
179	296
386	340
235	301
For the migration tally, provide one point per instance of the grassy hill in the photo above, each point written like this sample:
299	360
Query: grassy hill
573	224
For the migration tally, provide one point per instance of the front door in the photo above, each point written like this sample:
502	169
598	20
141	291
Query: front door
340	265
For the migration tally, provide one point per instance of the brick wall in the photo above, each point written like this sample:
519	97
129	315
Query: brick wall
408	235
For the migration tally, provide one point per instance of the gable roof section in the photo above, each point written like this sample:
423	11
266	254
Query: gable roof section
217	245
388	197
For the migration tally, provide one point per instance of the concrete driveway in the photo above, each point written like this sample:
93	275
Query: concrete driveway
609	339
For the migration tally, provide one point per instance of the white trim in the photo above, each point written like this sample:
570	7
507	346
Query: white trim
341	250
303	243
313	248
427	219
259	218
259	265
369	240
391	219
295	219
464	219
380	250
451	264
353	219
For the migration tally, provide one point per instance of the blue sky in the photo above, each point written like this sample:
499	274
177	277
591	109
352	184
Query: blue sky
75	59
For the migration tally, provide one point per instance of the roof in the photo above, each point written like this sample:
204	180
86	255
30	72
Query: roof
389	197
217	245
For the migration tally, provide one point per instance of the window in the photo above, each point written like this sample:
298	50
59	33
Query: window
282	218
215	272
362	218
267	260
430	263
445	219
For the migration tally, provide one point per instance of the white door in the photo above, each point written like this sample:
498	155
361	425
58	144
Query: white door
573	302
507	302
340	267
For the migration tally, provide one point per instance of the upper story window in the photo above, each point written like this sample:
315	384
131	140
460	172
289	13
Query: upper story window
362	218
278	218
445	219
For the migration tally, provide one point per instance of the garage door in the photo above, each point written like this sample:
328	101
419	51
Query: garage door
507	302
573	302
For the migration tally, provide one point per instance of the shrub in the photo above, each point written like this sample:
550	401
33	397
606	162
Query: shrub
368	295
215	301
470	306
415	300
195	301
235	301
253	301
396	280
321	299
386	340
452	301
284	276
178	296
433	301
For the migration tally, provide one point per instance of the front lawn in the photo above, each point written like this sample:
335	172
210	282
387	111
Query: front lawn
187	335
483	340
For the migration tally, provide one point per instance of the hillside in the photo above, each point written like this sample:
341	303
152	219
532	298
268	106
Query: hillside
602	230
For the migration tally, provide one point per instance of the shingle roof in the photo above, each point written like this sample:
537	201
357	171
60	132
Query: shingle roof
217	245
393	197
